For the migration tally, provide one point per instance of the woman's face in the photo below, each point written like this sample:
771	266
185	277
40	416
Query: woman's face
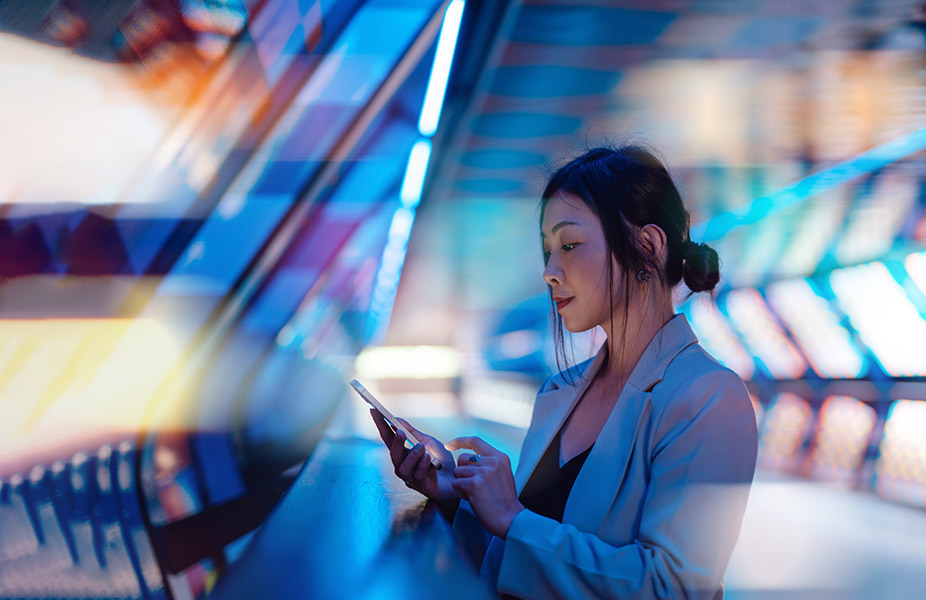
576	258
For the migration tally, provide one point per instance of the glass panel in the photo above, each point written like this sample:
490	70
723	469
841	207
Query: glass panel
815	326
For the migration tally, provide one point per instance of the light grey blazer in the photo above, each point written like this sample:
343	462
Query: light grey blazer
657	507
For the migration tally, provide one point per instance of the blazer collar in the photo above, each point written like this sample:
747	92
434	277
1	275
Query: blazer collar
675	336
555	403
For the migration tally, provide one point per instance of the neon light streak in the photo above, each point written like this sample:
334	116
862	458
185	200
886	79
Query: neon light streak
413	182
794	194
440	70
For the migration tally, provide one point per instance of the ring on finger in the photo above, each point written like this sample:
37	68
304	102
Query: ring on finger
474	458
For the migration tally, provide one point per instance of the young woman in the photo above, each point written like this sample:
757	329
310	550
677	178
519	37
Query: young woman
634	473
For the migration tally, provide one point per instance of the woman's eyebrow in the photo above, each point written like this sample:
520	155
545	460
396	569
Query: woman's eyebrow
559	226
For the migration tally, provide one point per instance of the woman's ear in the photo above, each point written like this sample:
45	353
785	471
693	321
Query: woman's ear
655	242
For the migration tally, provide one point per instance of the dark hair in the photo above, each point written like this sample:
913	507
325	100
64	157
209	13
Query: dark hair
627	188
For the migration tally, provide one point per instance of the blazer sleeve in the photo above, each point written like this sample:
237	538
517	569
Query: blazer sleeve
702	460
470	534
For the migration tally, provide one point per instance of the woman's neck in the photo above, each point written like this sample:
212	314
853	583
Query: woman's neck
628	341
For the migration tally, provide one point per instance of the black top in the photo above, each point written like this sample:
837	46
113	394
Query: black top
549	485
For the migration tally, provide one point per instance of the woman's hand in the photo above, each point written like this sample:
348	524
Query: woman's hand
486	481
414	466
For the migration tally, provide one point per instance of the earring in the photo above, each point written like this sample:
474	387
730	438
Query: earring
642	276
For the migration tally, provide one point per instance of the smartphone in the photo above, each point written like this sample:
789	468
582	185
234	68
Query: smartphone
372	401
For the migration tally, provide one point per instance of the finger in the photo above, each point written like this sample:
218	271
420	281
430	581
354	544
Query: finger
397	451
473	443
418	434
467	459
385	431
466	471
433	445
461	487
408	465
424	463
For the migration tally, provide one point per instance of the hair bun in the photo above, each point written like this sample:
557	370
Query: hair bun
701	267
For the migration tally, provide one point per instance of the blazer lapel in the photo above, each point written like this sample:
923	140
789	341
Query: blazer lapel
550	412
607	463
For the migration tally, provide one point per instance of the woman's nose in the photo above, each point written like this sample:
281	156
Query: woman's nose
552	274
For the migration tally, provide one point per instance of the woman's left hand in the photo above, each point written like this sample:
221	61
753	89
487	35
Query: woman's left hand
486	482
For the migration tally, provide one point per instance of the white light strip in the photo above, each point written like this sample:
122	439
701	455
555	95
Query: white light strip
916	267
414	362
440	70
880	310
417	167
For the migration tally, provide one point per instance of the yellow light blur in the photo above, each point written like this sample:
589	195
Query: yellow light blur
63	380
413	362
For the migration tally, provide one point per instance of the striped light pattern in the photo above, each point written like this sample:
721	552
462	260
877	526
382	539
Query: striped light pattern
811	320
762	334
784	427
767	241
889	323
718	338
813	233
873	225
901	468
841	442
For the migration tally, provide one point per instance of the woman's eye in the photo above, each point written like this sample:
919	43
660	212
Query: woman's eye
568	247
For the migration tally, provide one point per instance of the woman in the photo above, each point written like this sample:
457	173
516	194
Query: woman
635	470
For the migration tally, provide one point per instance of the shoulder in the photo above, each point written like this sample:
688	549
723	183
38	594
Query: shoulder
702	414
694	366
693	382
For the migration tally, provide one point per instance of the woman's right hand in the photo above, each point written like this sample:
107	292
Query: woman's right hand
414	466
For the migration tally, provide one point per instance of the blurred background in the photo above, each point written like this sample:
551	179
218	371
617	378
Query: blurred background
213	213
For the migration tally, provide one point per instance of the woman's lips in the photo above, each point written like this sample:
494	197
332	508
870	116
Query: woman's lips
561	302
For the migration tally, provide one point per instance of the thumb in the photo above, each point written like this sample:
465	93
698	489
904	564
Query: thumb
473	443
